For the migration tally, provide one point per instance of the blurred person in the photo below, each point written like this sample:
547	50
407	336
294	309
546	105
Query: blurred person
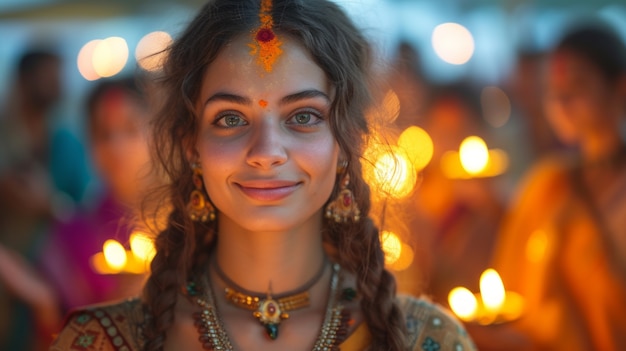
118	111
62	276
563	243
463	213
41	176
525	86
408	82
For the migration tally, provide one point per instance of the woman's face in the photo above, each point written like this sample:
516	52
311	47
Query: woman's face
266	149
119	144
580	103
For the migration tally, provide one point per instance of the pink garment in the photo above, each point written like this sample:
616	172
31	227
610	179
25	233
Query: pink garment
65	259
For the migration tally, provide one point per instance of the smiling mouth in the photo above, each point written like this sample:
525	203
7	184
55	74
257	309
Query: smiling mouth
269	192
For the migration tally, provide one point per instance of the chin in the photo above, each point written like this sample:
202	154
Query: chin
275	220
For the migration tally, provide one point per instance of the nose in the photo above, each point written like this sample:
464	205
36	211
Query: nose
267	147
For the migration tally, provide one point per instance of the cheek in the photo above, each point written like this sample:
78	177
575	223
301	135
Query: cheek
561	122
322	159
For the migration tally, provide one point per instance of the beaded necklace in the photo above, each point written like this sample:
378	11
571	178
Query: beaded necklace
213	336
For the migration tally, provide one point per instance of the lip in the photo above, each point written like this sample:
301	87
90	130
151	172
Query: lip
268	190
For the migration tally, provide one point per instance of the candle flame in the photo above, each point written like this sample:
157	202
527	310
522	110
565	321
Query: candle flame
474	154
463	303
142	247
492	289
114	254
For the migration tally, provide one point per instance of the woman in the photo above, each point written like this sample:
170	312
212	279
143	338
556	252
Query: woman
563	245
118	112
260	136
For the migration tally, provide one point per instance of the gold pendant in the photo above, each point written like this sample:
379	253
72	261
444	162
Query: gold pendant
270	315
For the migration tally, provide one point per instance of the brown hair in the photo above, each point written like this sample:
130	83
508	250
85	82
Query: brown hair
597	42
340	50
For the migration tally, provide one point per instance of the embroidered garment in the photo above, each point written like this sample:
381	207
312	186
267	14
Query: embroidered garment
118	327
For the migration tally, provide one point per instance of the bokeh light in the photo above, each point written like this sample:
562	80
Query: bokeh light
406	258
492	289
142	246
392	246
114	254
463	303
150	52
474	154
394	173
453	43
418	145
496	106
85	60
110	56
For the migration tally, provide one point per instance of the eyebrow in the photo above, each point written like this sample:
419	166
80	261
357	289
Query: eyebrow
242	100
227	97
305	94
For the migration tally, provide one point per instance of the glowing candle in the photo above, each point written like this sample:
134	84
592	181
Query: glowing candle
492	290
474	154
463	303
114	254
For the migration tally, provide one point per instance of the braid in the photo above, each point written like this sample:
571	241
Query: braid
161	289
377	288
359	251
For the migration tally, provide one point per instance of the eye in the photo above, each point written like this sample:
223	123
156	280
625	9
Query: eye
304	118
230	120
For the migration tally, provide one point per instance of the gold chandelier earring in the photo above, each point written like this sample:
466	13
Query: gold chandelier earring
343	207
199	208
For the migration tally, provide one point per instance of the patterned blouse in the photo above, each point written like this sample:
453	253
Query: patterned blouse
118	327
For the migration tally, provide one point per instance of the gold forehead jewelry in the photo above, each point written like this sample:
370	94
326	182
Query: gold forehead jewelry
269	310
265	44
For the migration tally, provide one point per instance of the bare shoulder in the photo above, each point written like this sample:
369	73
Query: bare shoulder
107	327
431	327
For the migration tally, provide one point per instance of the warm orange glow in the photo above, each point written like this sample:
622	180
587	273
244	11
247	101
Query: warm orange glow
474	160
418	146
492	290
114	254
474	154
463	303
142	246
496	106
85	60
394	173
453	43
405	260
536	246
150	52
392	246
110	56
491	306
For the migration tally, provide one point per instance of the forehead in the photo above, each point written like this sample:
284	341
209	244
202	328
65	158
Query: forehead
236	70
566	64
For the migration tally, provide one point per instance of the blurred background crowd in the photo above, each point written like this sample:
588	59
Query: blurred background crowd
501	171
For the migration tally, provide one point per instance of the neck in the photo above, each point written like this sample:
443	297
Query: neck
287	259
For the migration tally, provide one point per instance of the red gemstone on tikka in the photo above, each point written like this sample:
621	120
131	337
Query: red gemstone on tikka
264	35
